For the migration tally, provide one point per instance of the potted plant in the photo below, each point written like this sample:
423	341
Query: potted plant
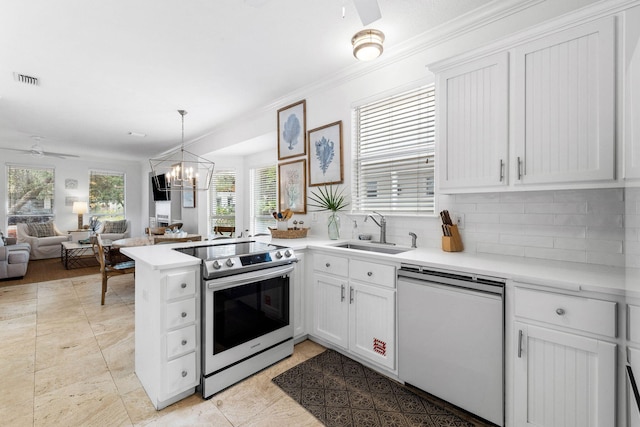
328	198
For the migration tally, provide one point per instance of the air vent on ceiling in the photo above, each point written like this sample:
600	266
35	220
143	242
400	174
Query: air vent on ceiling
23	78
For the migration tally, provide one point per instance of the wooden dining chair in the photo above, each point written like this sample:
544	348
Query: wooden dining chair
111	266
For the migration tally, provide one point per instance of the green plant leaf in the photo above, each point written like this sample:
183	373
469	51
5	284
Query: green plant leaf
328	198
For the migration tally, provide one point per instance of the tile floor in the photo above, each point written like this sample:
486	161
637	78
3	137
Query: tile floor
67	361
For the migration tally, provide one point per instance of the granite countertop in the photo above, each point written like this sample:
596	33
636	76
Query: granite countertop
557	275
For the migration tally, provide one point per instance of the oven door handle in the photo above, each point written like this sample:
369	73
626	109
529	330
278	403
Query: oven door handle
249	277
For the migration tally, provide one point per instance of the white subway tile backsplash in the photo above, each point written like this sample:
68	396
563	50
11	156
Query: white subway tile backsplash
589	226
499	249
538	219
557	208
534	241
556	254
570	243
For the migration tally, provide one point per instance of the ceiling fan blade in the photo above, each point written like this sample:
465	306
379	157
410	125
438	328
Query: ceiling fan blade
58	155
368	10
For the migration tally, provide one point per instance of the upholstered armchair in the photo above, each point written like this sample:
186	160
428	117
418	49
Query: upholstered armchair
44	239
114	230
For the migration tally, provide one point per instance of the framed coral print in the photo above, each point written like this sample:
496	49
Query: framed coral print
292	130
325	155
292	186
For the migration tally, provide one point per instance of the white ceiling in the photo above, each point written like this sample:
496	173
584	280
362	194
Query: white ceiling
107	68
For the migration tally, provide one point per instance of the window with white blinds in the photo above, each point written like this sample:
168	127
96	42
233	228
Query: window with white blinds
395	153
263	198
222	196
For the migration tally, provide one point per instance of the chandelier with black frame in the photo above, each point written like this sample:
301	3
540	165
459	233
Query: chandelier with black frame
181	170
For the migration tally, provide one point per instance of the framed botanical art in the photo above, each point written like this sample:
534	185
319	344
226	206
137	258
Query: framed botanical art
292	130
189	195
292	186
325	155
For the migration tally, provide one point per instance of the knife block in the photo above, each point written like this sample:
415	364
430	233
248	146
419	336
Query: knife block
452	243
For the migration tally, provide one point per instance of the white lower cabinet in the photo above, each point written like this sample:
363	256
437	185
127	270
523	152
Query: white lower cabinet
355	315
564	374
167	360
299	329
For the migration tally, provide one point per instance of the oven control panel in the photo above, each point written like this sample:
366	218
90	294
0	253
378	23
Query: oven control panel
239	263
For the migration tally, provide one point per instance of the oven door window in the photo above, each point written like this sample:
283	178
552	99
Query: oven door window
245	312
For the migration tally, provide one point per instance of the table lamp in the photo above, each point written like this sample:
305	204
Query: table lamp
80	208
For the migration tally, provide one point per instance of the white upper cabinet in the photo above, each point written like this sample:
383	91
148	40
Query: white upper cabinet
632	94
564	104
473	123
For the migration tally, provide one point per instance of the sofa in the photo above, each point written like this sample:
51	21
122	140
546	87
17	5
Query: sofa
44	239
14	259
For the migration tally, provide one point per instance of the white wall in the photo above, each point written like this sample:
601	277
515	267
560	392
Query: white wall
78	169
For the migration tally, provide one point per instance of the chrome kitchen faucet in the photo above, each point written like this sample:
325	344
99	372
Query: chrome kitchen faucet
382	224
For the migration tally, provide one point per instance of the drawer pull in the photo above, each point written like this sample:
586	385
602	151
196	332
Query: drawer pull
560	311
184	374
184	314
327	265
184	342
370	273
184	285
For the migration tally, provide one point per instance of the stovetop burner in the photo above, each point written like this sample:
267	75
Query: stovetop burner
237	257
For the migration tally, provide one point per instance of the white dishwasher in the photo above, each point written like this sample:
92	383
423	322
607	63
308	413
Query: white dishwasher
451	338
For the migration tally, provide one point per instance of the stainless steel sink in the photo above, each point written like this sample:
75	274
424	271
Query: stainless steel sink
372	247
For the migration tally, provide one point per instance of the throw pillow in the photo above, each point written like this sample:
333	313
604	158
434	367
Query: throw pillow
41	229
115	226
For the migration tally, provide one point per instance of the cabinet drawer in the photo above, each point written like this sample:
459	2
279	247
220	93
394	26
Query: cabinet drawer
181	313
584	314
181	341
180	374
180	284
633	323
331	264
370	272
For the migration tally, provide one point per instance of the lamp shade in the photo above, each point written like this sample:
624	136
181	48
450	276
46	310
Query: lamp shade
80	208
367	44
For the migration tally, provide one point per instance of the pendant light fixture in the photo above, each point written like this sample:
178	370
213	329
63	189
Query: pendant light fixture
181	170
367	44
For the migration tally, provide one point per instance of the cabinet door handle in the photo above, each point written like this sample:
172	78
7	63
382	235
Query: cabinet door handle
350	295
519	168
341	292
184	314
184	342
520	343
370	273
183	285
184	374
327	265
501	170
560	311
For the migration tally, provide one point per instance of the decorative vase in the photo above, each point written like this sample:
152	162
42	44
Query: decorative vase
333	226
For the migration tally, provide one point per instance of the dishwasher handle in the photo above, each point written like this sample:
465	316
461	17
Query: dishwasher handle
495	287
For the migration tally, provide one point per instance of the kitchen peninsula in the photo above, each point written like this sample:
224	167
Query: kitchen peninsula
168	281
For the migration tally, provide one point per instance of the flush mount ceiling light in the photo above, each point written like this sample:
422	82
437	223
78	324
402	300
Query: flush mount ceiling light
182	170
367	44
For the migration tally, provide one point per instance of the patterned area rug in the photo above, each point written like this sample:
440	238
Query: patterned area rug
341	392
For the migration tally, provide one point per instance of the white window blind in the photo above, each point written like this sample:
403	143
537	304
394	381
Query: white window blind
395	153
222	196
263	198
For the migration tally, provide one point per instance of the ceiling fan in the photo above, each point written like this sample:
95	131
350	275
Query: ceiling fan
36	150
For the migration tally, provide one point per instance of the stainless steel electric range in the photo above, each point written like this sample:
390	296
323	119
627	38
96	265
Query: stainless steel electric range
247	310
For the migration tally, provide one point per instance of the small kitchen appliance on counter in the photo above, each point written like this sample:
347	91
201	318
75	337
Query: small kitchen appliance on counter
246	312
